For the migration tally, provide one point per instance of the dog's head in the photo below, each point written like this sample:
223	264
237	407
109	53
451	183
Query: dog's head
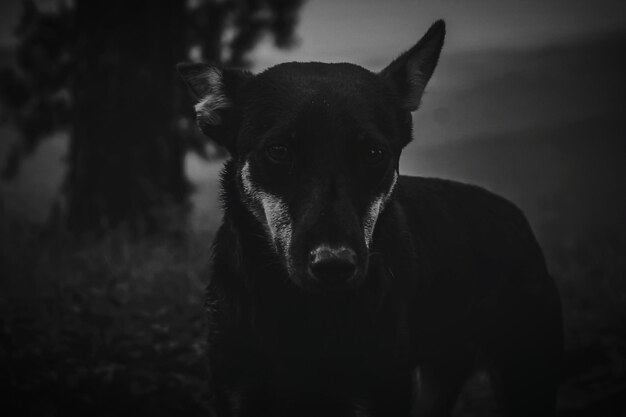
316	150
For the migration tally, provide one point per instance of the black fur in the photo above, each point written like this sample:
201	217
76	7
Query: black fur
452	279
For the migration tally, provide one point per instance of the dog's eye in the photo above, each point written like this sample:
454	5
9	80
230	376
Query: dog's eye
279	154
374	155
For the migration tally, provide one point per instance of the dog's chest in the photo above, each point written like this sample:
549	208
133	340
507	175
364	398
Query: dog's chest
314	337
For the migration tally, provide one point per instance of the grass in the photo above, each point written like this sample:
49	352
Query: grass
107	328
591	276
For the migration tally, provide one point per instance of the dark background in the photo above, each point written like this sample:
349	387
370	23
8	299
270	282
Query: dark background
528	101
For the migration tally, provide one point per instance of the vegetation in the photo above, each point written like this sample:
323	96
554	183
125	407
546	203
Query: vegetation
106	71
107	328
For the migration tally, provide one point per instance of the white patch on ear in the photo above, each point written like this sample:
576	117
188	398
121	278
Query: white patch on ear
374	210
207	108
269	210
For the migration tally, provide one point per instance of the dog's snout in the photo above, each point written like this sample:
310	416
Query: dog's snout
332	266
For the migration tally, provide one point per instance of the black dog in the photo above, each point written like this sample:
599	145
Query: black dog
340	287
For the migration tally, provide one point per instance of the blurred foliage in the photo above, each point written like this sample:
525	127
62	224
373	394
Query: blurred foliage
105	72
38	90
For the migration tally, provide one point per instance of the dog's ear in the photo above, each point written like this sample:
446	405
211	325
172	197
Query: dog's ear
216	89
410	73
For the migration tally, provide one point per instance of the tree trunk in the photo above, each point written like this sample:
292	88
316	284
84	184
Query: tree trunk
126	158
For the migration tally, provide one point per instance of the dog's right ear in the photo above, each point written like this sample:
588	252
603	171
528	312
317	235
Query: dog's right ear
216	89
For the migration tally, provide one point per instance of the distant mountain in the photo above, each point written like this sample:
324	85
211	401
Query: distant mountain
506	90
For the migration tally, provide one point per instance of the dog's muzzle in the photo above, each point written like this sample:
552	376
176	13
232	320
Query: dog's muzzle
332	267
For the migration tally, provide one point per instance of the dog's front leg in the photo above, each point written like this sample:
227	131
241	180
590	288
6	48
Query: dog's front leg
235	386
236	379
241	402
439	382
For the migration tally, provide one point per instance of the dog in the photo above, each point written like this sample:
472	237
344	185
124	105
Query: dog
342	288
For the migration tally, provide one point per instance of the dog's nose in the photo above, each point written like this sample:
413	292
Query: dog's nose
332	266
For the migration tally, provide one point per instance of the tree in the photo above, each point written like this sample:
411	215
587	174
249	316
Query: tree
105	71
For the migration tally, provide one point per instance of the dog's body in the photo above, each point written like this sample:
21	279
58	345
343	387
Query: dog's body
341	288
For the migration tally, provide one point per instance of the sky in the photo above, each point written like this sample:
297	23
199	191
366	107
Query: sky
372	31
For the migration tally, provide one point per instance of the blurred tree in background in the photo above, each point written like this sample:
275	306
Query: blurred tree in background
105	71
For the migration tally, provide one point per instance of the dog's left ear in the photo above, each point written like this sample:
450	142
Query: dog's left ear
410	73
216	89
